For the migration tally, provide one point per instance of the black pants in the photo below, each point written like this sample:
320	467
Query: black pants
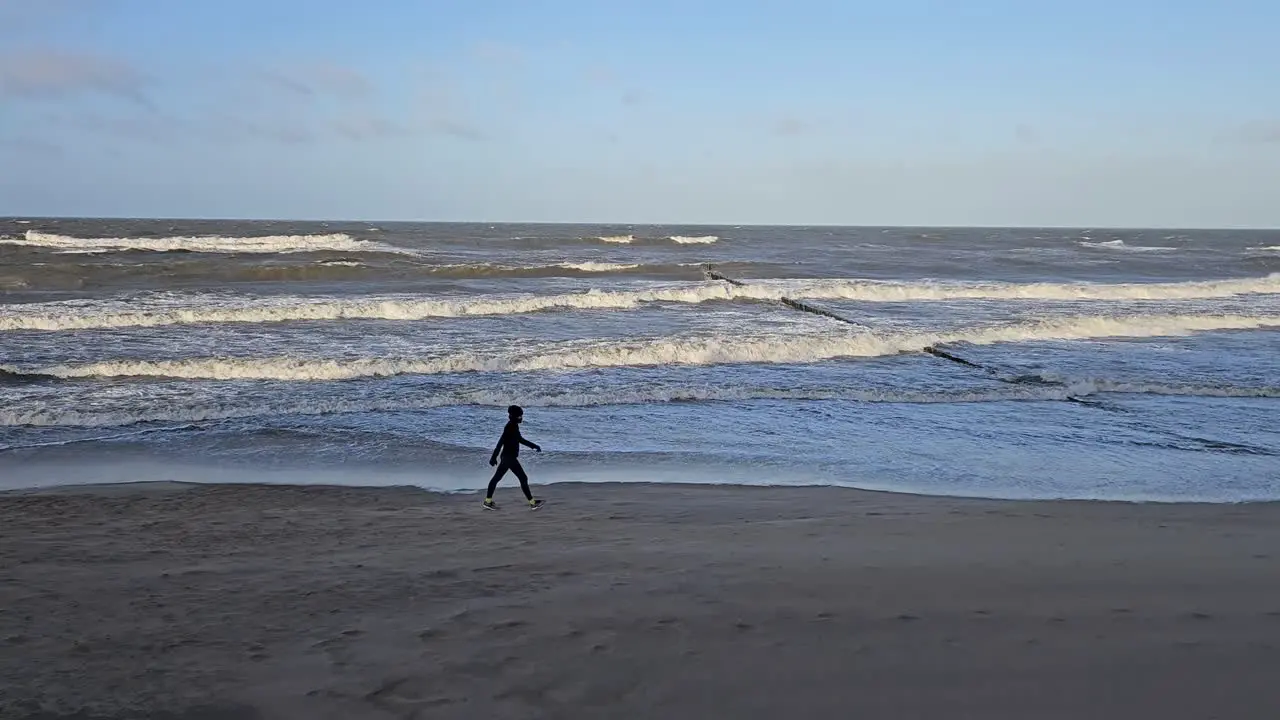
513	465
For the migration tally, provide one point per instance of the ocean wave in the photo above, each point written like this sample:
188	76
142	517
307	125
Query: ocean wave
723	350
895	291
335	242
678	239
1122	245
1098	386
1267	248
75	315
199	309
169	413
213	271
59	417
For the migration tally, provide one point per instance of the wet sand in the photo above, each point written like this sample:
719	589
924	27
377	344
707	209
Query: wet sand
638	601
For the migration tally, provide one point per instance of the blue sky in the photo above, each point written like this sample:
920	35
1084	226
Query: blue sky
916	112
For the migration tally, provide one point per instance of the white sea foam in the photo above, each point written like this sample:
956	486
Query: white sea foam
891	291
198	309
1267	248
590	266
617	239
77	315
694	240
337	242
485	269
719	350
1122	245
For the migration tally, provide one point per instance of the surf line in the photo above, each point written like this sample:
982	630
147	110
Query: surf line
712	274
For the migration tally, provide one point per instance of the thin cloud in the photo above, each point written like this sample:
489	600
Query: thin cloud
1260	132
456	128
791	127
21	16
369	127
30	147
601	76
161	129
43	74
322	79
284	105
499	53
237	128
440	112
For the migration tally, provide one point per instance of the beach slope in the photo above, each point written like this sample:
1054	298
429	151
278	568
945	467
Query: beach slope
642	601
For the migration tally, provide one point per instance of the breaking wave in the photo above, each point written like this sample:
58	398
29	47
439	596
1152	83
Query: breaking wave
598	266
717	350
336	242
1122	245
678	239
198	309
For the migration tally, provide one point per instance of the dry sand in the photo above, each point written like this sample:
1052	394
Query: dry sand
171	601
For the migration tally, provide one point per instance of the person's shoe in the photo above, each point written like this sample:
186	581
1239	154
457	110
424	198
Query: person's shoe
490	505
535	504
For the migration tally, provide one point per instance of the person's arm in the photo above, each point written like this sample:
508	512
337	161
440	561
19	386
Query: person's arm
493	459
526	443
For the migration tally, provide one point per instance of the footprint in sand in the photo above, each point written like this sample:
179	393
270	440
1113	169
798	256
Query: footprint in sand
406	694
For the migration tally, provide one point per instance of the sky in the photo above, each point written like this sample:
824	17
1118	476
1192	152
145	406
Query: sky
1120	113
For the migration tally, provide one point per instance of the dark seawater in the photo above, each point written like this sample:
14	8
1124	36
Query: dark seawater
1132	365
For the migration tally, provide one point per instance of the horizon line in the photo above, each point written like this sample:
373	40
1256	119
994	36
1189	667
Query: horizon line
872	226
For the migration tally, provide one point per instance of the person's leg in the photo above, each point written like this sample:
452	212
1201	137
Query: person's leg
524	479
493	484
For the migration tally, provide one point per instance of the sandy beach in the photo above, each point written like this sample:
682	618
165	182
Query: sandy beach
643	601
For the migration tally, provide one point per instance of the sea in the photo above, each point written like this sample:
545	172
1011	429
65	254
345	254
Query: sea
1001	363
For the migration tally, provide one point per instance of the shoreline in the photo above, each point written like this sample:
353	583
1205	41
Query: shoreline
631	601
170	486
